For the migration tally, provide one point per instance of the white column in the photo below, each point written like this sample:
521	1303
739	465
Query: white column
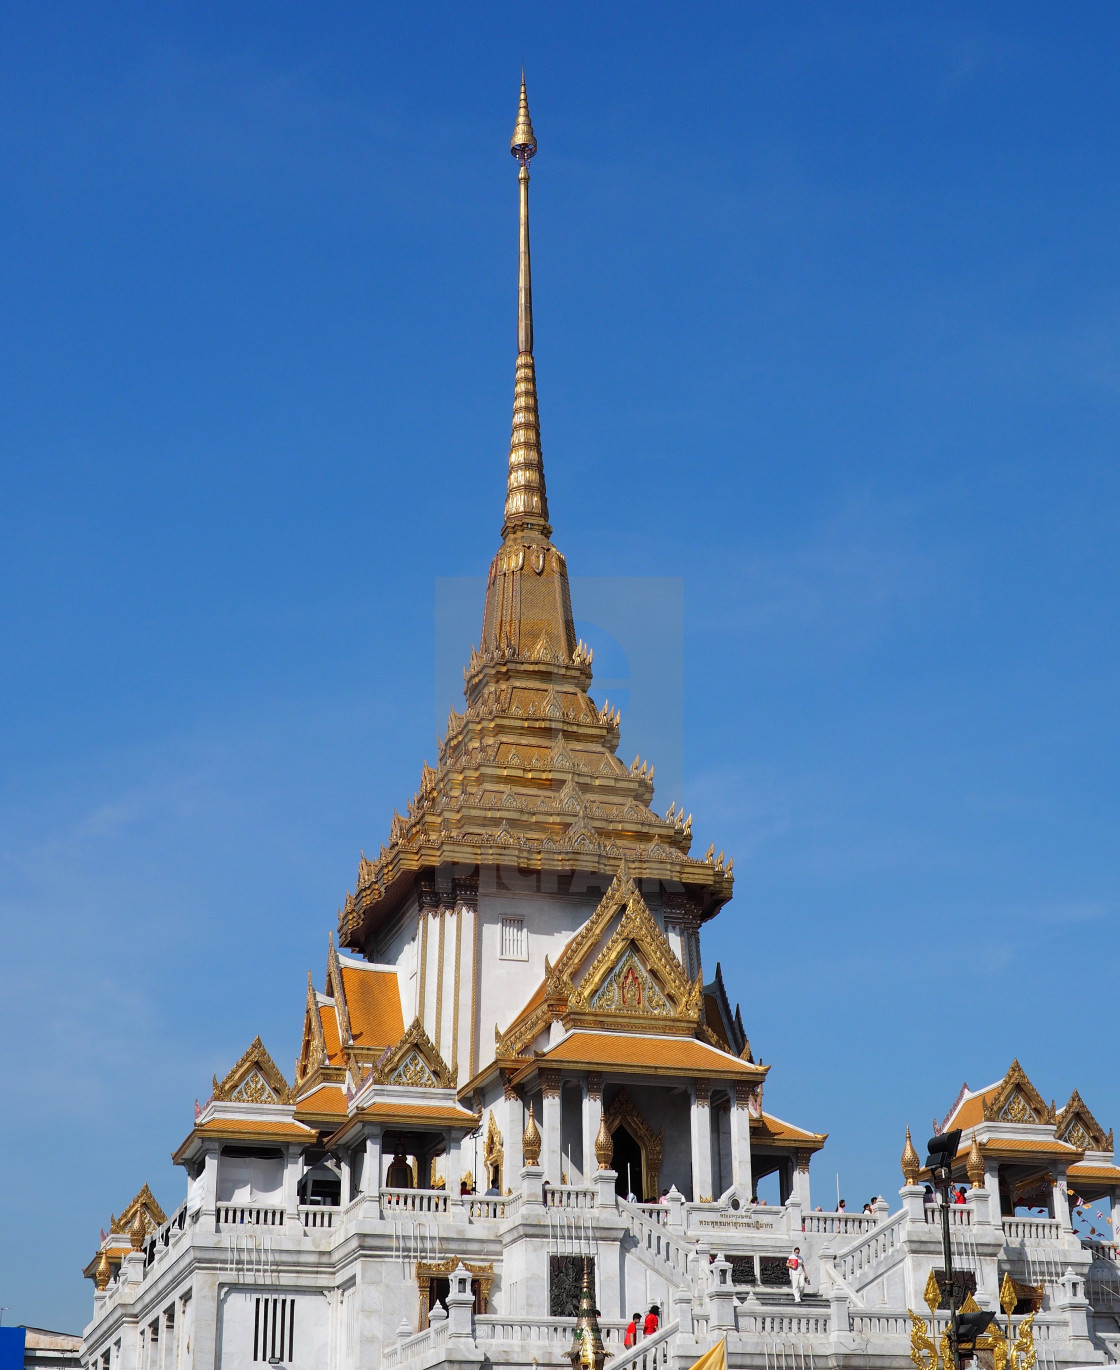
801	1180
741	1141
701	1117
292	1167
512	1128
551	1158
453	1166
991	1184
371	1169
1061	1198
210	1183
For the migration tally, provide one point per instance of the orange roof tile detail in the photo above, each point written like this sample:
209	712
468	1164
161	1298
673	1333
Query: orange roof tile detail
779	1131
282	1127
329	1019
328	1099
679	1055
373	1001
1027	1145
1108	1173
261	1129
433	1113
971	1110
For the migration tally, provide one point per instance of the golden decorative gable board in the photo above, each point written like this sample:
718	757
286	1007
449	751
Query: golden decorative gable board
1017	1101
255	1079
415	1061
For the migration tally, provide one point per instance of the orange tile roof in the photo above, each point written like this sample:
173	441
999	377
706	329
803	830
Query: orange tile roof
373	1001
970	1111
405	1115
260	1129
1027	1145
1108	1173
329	1019
776	1129
671	1055
327	1099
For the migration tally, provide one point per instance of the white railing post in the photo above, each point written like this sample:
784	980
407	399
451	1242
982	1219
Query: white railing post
606	1196
721	1295
460	1307
676	1209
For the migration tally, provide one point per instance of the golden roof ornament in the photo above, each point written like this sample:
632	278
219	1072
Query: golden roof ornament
526	502
103	1273
604	1144
137	1231
531	1140
523	145
911	1162
975	1166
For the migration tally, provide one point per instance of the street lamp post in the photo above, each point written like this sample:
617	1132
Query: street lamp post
939	1162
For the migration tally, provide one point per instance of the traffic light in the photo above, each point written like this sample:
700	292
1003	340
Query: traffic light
942	1151
971	1326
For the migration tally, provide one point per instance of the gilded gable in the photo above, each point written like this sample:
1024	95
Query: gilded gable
255	1079
1017	1101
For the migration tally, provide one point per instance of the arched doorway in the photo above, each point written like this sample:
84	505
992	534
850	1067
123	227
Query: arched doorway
627	1164
632	1134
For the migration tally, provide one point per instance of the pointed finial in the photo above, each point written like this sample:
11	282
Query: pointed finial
137	1230
604	1144
523	144
526	502
531	1140
911	1162
103	1273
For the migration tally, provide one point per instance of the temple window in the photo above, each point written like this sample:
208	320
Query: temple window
274	1329
514	944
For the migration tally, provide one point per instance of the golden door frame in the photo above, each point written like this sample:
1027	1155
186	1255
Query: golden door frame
427	1271
650	1143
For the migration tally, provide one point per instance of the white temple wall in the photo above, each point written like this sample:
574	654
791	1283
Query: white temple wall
281	1321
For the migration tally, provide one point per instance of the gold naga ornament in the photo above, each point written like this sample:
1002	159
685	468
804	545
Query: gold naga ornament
1008	1352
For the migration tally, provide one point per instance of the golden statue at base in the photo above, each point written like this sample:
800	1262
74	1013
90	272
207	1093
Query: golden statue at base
1007	1352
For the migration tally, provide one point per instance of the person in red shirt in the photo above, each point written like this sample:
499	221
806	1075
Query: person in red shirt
631	1338
649	1327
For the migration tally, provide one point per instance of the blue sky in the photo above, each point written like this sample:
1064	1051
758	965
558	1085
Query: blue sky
826	305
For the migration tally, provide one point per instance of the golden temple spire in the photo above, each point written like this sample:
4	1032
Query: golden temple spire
526	503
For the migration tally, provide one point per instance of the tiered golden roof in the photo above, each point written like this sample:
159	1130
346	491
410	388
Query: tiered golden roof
527	776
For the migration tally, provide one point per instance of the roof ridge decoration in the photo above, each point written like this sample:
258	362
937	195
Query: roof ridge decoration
1077	1126
313	1045
1017	1101
334	983
254	1079
414	1061
144	1203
